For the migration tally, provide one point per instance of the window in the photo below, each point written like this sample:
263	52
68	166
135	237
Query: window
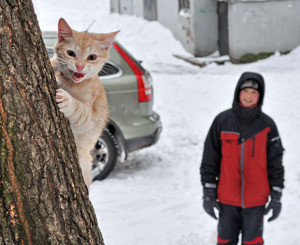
110	70
50	52
184	5
184	8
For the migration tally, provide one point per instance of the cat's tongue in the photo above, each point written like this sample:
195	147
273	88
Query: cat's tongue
78	76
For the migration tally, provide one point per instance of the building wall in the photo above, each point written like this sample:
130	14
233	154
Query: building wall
126	7
114	6
247	26
263	26
150	10
205	25
196	29
167	15
138	8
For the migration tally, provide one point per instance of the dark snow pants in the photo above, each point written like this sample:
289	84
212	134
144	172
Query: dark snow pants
234	220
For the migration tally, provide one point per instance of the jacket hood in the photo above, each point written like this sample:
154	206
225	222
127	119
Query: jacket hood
250	76
248	114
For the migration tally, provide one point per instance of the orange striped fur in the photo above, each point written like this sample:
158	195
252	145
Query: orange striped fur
81	97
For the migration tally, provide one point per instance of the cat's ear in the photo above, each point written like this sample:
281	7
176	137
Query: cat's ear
107	39
64	30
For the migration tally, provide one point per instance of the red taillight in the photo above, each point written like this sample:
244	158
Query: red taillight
144	85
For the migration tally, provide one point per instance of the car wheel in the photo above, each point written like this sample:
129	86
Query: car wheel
105	155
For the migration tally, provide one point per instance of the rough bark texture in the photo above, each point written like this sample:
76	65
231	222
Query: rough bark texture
43	199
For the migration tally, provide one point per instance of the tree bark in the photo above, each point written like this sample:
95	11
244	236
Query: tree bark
43	198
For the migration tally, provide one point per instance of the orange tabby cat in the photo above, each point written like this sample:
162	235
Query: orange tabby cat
81	97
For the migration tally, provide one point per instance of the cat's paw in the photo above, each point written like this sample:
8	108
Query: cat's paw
63	100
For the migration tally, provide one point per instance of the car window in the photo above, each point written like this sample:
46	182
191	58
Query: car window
110	70
50	52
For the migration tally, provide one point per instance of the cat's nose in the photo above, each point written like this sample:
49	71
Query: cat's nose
79	68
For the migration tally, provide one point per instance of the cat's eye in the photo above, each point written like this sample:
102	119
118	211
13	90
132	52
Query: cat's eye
92	57
71	53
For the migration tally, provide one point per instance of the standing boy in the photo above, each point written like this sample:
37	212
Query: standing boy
242	165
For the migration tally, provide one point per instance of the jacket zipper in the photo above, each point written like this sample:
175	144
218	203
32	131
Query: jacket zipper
253	146
242	172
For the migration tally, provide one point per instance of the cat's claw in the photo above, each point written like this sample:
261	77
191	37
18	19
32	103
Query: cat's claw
63	99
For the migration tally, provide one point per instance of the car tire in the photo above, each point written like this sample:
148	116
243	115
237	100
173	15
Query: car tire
105	155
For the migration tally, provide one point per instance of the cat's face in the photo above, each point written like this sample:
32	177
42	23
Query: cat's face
81	55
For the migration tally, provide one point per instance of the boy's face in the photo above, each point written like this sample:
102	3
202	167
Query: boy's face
249	97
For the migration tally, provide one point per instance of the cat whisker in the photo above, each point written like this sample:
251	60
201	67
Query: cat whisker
62	60
65	69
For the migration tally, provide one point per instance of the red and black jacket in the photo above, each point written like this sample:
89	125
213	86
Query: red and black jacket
243	153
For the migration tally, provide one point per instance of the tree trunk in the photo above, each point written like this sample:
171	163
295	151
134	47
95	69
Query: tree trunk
43	198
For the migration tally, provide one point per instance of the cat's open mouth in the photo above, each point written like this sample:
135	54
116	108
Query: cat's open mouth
78	76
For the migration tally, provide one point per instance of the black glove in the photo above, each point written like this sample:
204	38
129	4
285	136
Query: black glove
275	203
210	201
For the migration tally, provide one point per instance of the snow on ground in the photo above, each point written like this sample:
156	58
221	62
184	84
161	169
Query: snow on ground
155	196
